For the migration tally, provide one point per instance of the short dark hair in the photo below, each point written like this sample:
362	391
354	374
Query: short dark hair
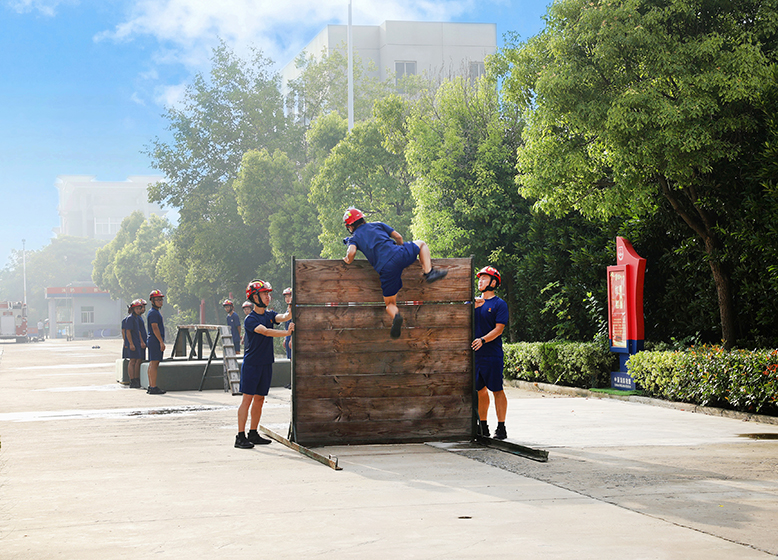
358	223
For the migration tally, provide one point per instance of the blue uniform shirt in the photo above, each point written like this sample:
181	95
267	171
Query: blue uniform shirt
487	316
154	316
374	240
233	321
259	348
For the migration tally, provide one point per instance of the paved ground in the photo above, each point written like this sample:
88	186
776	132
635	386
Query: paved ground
90	469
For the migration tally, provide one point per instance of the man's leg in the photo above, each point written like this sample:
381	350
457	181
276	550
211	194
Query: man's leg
394	313
500	405
153	373
424	256
241	441
483	411
256	411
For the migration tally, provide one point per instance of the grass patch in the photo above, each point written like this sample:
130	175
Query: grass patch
619	392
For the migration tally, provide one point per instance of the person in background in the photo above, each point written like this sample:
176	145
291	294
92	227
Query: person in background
156	340
137	341
233	321
288	339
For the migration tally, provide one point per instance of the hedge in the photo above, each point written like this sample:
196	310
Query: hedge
711	376
573	364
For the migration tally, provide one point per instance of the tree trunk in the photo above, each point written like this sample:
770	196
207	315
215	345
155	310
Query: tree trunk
704	225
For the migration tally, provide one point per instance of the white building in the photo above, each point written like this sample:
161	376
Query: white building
398	48
95	209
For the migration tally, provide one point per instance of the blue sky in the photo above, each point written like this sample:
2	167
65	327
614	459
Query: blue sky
83	83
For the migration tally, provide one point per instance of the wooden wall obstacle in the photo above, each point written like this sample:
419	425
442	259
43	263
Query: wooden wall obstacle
353	384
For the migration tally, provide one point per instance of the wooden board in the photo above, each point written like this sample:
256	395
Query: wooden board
321	281
352	383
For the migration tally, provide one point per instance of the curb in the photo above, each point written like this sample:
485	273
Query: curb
686	407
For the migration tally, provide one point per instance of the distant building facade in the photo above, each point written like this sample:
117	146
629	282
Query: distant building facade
81	310
95	209
399	48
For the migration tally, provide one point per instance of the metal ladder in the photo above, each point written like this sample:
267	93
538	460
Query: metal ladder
231	368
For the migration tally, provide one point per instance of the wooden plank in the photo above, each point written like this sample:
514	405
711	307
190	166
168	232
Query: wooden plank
318	434
347	363
330	461
371	317
320	281
378	341
383	385
383	408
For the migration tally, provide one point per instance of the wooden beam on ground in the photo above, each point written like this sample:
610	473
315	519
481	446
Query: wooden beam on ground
330	461
540	455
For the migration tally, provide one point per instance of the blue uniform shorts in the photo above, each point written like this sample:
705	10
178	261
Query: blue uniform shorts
155	353
255	380
488	373
403	257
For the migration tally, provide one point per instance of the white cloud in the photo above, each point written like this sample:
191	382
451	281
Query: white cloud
135	98
45	7
189	29
170	96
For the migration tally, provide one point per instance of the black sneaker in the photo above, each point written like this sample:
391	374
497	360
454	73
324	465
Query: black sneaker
155	391
397	324
500	432
241	442
256	439
435	274
483	429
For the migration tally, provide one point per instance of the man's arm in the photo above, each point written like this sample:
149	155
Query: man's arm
351	252
263	330
488	337
158	334
397	237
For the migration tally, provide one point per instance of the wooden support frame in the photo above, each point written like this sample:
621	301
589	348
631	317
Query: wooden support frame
195	335
352	383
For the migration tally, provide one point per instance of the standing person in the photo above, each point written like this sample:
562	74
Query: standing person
247	307
137	342
257	369
233	321
125	335
385	250
491	316
156	340
40	330
288	339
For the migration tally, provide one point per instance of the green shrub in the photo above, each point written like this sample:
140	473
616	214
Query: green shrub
711	376
574	364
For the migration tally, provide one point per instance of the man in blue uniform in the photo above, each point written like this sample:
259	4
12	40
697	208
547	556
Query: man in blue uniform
257	370
137	342
491	316
233	321
384	249
156	341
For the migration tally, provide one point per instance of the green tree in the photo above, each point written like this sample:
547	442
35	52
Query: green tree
63	261
630	101
127	266
361	172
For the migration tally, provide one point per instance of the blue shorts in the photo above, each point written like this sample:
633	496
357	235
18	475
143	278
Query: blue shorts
403	257
488	373
155	354
138	354
255	380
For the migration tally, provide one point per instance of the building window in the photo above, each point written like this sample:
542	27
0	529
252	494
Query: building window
107	226
404	68
87	315
477	69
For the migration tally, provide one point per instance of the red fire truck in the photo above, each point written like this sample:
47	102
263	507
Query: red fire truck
13	320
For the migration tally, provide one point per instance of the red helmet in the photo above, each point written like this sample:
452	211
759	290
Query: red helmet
143	302
257	287
352	215
288	292
228	302
137	303
156	293
247	304
490	271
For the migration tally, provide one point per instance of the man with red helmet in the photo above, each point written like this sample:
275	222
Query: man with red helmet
136	335
233	321
384	248
288	340
156	340
256	371
491	316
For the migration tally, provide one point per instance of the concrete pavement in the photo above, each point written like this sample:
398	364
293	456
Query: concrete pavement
91	469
